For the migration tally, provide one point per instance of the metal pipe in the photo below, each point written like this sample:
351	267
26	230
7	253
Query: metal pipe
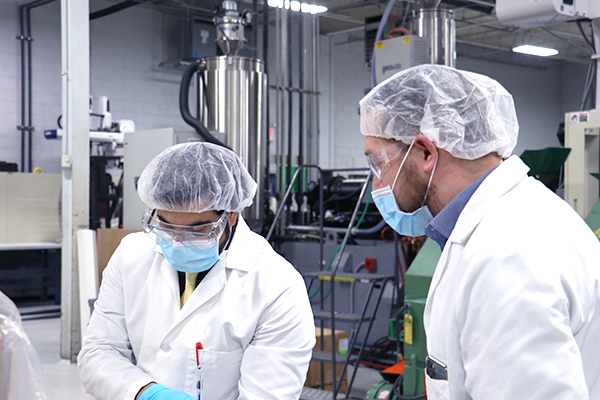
29	92
350	225
374	229
26	79
255	28
596	41
267	145
282	50
300	96
277	73
114	9
317	51
439	27
290	111
310	228
23	79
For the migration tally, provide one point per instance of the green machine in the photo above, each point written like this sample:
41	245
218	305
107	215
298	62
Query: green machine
544	165
417	281
593	219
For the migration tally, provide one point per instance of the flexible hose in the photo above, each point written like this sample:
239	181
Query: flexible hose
378	36
369	231
184	105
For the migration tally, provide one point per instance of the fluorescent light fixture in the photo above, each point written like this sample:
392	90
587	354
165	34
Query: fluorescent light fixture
535	50
297	6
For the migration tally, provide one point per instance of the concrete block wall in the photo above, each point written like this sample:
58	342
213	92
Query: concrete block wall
542	96
125	51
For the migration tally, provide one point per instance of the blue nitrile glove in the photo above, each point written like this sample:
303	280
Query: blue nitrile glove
159	392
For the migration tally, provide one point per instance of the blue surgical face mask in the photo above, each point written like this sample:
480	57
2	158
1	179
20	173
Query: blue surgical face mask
407	224
192	257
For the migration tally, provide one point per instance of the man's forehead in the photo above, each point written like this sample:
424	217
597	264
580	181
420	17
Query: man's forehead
373	144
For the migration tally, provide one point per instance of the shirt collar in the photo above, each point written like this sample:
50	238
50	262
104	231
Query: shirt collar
440	227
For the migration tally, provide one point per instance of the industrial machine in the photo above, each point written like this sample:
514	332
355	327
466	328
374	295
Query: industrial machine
428	37
582	136
227	83
531	13
106	163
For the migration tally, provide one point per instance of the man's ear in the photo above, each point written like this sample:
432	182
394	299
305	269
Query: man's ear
427	152
233	218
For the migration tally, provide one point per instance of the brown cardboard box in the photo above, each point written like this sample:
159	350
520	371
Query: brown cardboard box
313	378
107	241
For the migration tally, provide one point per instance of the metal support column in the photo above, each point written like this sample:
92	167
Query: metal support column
596	33
75	33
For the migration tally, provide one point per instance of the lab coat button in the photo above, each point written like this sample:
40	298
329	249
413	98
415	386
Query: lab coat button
165	347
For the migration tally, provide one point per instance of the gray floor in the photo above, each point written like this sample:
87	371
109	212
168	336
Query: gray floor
61	375
64	380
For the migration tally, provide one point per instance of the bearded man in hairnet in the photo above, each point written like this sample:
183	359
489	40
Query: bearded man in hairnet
513	309
197	287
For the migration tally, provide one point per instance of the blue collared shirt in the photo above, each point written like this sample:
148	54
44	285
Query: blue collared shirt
440	227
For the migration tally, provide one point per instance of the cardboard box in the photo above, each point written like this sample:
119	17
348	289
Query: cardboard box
108	240
313	378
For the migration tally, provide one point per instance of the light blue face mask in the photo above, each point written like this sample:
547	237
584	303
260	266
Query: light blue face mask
192	258
407	224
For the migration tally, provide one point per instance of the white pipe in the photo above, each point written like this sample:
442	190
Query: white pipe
75	35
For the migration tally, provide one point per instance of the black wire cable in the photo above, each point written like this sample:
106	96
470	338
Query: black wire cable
114	9
398	387
591	44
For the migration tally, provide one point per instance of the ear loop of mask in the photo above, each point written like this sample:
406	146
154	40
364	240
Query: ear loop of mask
402	164
430	177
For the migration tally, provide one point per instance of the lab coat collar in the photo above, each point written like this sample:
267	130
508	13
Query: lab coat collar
243	251
505	177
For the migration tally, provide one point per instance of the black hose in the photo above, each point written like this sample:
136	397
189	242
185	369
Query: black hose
591	44
398	386
184	105
114	9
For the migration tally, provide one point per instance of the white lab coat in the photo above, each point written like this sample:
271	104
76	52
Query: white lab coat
513	309
251	313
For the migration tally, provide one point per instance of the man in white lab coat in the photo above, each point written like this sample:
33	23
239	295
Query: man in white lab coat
513	310
197	287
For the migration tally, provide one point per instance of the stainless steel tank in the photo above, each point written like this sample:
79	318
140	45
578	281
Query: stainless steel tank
232	99
438	25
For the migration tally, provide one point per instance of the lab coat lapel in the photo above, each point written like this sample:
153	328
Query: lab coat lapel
212	284
508	175
170	276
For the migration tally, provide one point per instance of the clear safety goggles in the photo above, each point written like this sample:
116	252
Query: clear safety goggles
199	235
377	160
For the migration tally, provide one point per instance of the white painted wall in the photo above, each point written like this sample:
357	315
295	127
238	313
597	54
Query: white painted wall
542	96
125	50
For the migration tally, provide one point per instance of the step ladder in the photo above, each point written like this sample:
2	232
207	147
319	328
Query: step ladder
377	284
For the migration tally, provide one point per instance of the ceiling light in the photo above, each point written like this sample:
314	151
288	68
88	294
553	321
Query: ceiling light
297	6
535	50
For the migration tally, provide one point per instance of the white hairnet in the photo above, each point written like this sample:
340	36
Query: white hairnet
196	177
467	114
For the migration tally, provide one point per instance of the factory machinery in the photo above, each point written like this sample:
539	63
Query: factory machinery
368	286
356	267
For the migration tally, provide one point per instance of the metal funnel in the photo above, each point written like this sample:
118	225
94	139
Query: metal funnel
430	3
230	47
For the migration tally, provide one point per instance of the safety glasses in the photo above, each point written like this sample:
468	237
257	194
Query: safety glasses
377	160
198	235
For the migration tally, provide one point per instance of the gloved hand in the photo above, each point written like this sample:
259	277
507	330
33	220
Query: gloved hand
159	392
